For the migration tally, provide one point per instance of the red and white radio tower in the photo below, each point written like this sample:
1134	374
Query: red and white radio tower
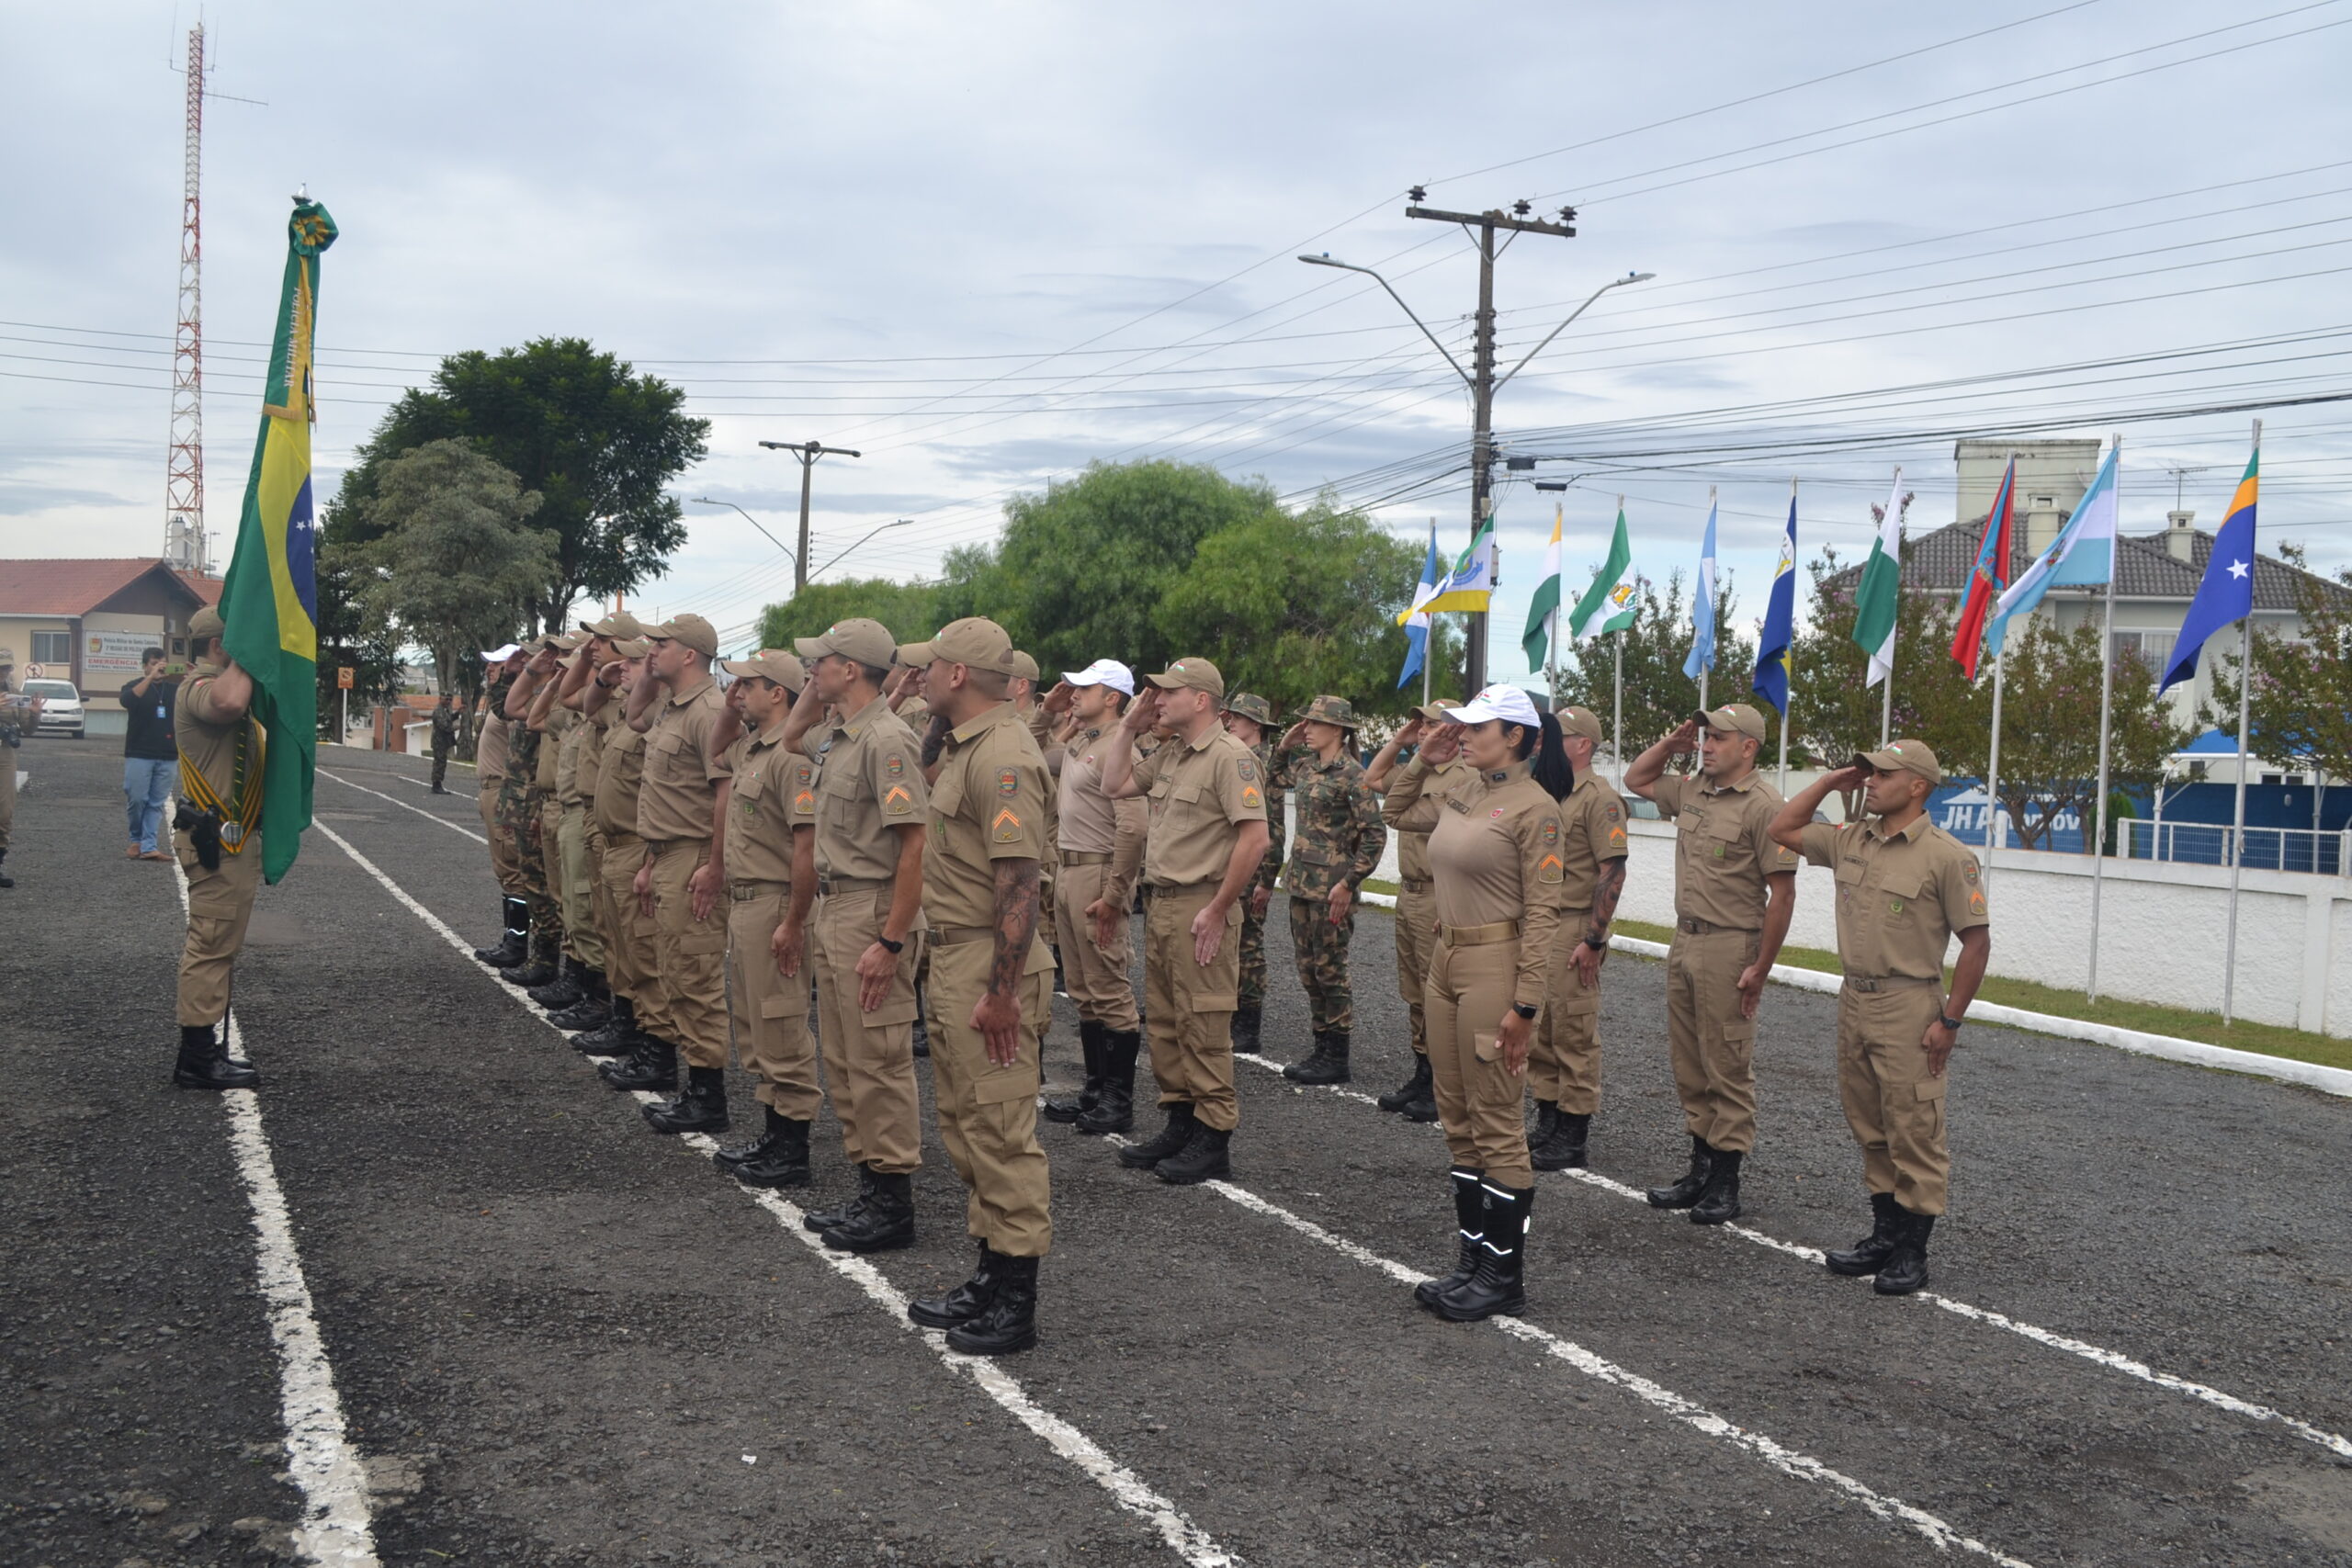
184	542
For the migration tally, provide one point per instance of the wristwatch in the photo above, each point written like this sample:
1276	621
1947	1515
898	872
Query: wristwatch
893	946
1952	1023
1523	1010
1601	946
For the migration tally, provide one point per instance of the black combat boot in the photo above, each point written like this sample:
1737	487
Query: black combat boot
1868	1255
701	1106
6	880
1469	1218
204	1061
1069	1108
1905	1268
654	1065
729	1155
1499	1283
616	1035
565	989
516	915
886	1224
1685	1192
1417	1087
966	1301
1547	1123
1245	1029
823	1219
1167	1146
1114	1111
1202	1158
922	1030
594	1008
1008	1322
1422	1107
1565	1150
537	969
780	1161
1329	1063
1719	1203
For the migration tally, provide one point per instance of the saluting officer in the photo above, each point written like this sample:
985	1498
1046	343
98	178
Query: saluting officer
1207	842
1905	887
991	978
1416	921
521	812
1495	863
220	748
766	861
1734	892
1250	720
1337	845
869	808
493	748
1564	1064
639	1019
1101	843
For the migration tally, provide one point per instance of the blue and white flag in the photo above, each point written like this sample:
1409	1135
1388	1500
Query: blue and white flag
1417	624
2226	593
1779	619
1702	657
2083	554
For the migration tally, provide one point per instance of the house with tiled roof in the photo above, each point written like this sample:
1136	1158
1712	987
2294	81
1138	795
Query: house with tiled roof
88	621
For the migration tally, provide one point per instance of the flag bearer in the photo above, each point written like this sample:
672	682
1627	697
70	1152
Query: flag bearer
1734	892
221	776
1564	1064
1904	889
1416	923
1337	845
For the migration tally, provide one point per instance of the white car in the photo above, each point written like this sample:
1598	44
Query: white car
60	707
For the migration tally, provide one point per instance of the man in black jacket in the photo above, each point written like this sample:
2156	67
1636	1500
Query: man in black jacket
151	758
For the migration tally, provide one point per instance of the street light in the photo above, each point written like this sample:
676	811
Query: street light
901	523
771	538
806	453
1555	331
1326	260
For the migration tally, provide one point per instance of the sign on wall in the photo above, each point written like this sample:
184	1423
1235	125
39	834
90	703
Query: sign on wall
114	653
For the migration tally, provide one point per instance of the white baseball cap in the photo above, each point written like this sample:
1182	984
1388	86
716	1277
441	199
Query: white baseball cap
1503	701
501	655
1103	673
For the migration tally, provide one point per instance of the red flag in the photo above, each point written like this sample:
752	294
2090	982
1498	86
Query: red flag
1991	576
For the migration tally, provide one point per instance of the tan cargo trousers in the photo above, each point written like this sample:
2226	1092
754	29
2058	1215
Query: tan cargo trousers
1564	1059
869	1057
1188	1007
690	956
1097	979
630	945
988	1112
1713	1048
1478	1099
219	906
1416	945
577	896
771	1012
1895	1109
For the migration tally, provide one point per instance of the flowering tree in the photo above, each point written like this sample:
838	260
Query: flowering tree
2049	728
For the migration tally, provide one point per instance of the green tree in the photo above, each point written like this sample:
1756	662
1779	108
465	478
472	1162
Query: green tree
906	608
597	441
349	634
1833	714
455	565
2301	714
2050	708
1658	696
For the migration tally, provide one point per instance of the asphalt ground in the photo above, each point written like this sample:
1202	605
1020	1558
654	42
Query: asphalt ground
556	1337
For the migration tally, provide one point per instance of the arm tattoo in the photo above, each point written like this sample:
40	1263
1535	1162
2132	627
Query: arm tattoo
1016	923
934	739
1605	893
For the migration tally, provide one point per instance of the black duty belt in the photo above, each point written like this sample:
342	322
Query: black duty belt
831	884
1691	927
744	891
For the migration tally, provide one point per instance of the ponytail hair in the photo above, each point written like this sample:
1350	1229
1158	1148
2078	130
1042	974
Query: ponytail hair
1552	769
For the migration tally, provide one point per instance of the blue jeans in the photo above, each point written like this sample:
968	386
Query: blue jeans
146	782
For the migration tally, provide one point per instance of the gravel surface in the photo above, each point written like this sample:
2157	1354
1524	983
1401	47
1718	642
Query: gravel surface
559	1338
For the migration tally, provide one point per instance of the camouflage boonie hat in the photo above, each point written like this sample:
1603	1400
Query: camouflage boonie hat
1251	706
1331	710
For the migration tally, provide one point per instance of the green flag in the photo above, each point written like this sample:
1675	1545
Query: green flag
1608	604
269	602
1878	599
1546	608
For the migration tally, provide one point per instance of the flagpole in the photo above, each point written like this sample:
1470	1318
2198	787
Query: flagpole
1993	819
2106	714
1617	720
1887	697
2237	816
1788	659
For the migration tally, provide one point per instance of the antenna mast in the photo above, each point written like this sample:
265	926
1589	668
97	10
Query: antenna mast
184	539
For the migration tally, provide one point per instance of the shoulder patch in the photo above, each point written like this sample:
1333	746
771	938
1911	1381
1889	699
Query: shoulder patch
1008	782
1007	825
897	802
1548	868
1616	838
1551	832
1614	811
1248	768
894	766
805	803
1968	872
1250	797
1976	903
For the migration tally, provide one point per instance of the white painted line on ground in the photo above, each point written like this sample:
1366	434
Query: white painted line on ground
405	805
337	1525
2111	1359
1787	1460
1126	1488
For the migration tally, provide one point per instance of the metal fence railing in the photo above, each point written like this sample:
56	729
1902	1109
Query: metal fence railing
2261	848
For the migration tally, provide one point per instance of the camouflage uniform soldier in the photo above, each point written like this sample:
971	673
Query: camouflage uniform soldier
1248	717
1337	845
445	737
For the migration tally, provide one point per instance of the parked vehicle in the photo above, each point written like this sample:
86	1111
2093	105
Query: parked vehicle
61	707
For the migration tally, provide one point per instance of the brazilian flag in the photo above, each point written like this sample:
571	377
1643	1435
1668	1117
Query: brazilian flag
269	601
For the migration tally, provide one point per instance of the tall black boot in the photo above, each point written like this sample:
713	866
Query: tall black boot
1565	1150
887	1221
1868	1255
966	1301
1685	1192
654	1065
1069	1108
1114	1111
701	1106
1204	1157
1499	1283
732	1154
568	986
538	968
1548	1122
616	1035
515	917
1905	1268
1167	1146
922	1011
1008	1322
1719	1205
782	1160
1245	1020
1329	1063
823	1219
204	1061
1412	1088
1469	1220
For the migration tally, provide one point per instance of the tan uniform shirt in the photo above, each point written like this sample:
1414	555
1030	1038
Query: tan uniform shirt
987	804
490	751
565	731
1200	792
759	805
869	781
593	732
620	774
208	744
1901	897
550	750
1495	853
1413	845
1593	820
1088	820
1722	852
681	788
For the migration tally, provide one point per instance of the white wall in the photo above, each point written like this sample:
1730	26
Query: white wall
2163	929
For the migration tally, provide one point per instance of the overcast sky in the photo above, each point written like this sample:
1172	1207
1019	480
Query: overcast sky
987	244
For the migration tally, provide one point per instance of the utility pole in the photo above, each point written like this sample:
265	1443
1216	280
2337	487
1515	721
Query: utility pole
807	452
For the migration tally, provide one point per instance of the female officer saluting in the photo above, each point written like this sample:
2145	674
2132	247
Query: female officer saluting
1495	863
